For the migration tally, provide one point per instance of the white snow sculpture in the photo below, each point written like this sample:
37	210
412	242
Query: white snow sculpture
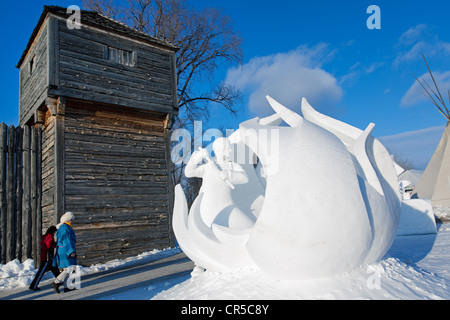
327	202
223	214
377	176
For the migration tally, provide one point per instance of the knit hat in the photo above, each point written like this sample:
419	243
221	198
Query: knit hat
66	218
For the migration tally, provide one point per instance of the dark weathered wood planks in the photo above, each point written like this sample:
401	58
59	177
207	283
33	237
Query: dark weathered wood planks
102	100
3	190
76	63
116	180
20	193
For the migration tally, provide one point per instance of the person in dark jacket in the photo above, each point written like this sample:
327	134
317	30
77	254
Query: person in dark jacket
65	255
47	252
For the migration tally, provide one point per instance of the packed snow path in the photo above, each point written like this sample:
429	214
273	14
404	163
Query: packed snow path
148	277
416	267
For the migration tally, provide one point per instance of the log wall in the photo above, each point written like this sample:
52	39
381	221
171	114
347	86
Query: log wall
116	180
102	96
20	193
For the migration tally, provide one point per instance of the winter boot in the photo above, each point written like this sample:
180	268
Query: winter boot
56	286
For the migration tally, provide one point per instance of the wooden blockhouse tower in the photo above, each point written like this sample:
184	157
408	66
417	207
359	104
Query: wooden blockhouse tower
104	96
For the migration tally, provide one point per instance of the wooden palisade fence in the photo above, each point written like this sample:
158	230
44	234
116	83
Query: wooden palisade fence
20	193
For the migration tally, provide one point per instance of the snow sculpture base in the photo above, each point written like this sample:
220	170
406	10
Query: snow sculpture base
416	217
322	200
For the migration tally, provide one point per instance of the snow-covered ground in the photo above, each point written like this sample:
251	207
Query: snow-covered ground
443	213
15	274
416	267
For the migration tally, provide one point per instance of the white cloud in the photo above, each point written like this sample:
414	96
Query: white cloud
412	34
357	70
374	66
411	45
418	40
414	94
287	77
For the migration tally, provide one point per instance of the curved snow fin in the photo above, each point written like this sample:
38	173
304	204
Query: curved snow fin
347	133
290	117
359	150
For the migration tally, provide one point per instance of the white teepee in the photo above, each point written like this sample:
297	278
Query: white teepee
435	181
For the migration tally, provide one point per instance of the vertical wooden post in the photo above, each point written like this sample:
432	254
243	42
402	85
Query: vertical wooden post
170	187
38	186
3	206
19	191
11	201
26	200
33	169
53	51
59	160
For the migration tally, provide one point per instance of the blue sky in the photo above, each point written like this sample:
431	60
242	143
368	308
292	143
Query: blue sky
321	50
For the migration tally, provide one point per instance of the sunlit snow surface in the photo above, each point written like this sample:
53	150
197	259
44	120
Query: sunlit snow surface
416	267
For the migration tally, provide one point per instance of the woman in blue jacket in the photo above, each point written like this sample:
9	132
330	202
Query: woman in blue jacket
65	254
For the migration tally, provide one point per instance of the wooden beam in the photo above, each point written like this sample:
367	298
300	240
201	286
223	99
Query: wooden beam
39	116
59	160
168	121
3	206
11	201
52	105
174	82
53	52
37	200
33	176
61	106
19	190
26	198
170	187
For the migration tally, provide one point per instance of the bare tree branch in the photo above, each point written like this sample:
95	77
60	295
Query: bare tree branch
206	39
110	8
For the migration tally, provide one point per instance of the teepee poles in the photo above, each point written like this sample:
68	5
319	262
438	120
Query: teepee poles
433	96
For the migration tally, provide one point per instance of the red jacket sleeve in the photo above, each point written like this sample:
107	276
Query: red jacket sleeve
49	243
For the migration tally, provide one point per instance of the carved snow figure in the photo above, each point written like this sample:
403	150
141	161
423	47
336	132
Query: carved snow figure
222	205
327	203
